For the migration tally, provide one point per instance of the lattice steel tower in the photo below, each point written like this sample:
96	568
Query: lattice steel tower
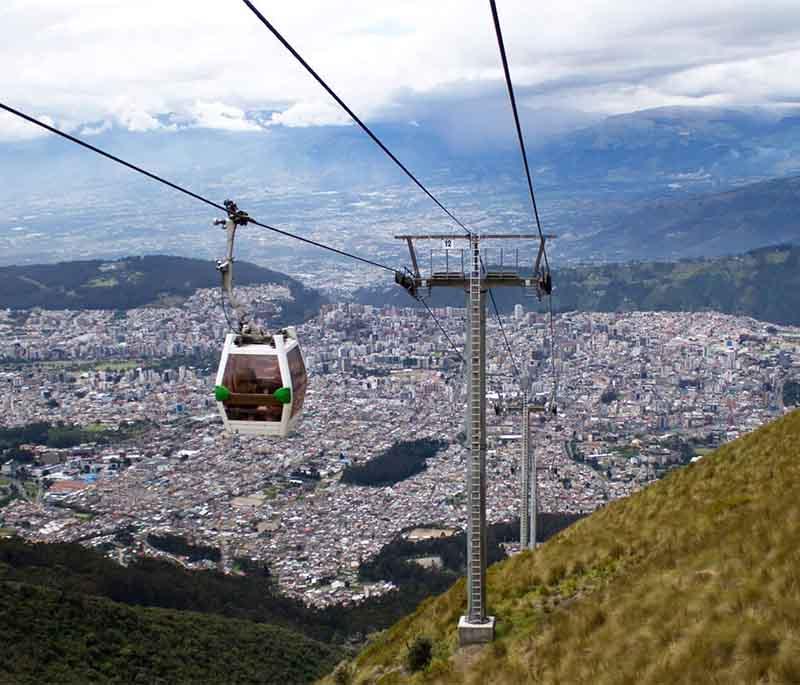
529	493
474	274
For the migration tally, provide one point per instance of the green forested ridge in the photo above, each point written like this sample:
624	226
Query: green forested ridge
51	636
84	575
695	579
150	582
156	583
136	282
743	285
791	393
62	435
178	545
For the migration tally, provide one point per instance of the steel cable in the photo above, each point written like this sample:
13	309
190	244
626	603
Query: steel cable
185	191
350	112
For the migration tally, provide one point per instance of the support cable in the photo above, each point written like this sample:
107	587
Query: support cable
502	47
505	337
553	353
517	375
350	112
225	309
108	155
185	191
323	246
512	98
441	328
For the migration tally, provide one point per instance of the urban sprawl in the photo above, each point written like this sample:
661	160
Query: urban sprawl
636	393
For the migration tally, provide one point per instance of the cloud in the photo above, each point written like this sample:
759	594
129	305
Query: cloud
13	129
206	63
138	120
95	130
315	113
220	116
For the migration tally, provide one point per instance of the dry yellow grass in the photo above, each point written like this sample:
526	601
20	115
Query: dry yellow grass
696	579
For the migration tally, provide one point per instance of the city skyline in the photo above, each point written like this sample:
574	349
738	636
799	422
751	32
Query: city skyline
373	372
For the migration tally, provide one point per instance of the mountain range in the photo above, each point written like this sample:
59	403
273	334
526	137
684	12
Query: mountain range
703	225
692	147
332	182
680	147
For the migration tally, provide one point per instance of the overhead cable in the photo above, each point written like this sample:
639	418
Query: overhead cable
108	155
502	47
349	255
441	328
505	337
350	112
185	191
512	98
553	352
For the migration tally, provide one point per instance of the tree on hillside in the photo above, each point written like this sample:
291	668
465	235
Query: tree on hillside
609	395
419	653
791	393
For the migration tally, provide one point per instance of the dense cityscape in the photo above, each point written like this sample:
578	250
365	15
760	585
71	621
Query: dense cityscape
637	394
351	344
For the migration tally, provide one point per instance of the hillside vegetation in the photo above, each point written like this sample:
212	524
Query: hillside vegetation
73	569
136	282
58	637
742	285
402	460
695	579
148	582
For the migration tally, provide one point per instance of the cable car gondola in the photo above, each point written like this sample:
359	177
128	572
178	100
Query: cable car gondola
261	384
261	381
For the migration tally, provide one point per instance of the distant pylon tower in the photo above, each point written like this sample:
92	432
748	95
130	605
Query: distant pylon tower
529	492
526	491
476	276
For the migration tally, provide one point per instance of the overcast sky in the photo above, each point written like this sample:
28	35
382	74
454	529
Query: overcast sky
92	64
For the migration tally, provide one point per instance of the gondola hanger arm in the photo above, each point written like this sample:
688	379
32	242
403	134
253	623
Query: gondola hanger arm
236	218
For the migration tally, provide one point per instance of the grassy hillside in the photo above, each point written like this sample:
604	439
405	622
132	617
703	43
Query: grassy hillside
57	637
696	579
135	282
742	285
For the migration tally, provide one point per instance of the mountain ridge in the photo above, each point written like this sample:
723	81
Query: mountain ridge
317	179
709	225
62	637
131	282
741	285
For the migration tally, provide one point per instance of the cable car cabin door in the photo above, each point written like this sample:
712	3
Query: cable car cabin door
252	374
